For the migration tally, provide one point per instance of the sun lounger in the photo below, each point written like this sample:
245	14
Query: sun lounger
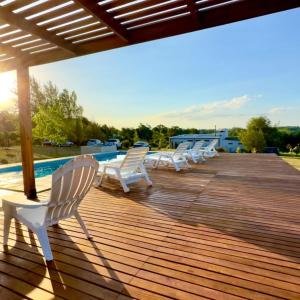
177	158
127	171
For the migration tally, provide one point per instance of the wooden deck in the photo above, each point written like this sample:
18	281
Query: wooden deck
227	229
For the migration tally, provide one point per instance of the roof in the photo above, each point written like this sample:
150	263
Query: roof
196	136
34	32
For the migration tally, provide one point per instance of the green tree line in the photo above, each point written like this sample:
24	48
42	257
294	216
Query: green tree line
57	117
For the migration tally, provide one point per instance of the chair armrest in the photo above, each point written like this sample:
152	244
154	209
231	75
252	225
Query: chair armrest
23	203
166	155
116	168
116	164
110	164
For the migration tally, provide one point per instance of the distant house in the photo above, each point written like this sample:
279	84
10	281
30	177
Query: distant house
229	144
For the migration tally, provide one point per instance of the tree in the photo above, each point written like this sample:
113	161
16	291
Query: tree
127	135
50	125
175	130
8	128
160	136
270	133
235	131
253	137
37	97
56	115
136	136
144	132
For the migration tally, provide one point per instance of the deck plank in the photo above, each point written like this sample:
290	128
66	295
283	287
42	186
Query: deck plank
226	229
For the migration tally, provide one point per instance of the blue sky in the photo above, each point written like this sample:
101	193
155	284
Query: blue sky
220	76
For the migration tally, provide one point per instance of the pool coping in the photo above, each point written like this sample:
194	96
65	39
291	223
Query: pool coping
19	164
3	166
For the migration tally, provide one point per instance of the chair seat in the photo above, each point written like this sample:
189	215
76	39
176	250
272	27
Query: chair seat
33	218
163	158
156	156
112	173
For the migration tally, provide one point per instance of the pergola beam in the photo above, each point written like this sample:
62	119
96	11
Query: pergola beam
13	19
23	86
11	51
104	17
212	17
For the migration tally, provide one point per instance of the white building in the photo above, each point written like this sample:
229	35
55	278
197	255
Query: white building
224	141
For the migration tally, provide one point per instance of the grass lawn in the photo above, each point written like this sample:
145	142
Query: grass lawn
294	161
13	154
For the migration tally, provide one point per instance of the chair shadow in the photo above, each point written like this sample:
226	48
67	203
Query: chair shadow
245	223
18	259
72	275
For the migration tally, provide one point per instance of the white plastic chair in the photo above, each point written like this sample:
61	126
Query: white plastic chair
70	183
195	154
128	171
176	158
210	150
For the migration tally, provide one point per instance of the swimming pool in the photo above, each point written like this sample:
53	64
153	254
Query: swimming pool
45	168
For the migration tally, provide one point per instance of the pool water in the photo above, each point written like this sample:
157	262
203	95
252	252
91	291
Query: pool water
45	168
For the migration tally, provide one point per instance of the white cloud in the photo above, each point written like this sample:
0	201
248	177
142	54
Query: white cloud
278	110
225	113
207	109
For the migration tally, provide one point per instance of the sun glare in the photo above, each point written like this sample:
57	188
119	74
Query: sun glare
7	85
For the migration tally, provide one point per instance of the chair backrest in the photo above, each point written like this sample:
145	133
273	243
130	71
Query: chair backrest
181	149
70	183
212	144
197	146
133	159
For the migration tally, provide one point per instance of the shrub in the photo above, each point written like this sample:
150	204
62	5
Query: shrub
297	149
289	147
239	150
125	144
4	161
220	149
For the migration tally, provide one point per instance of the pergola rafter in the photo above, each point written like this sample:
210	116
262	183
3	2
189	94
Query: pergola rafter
104	17
13	19
56	30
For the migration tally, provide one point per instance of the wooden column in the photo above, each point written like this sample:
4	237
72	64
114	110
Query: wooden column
23	83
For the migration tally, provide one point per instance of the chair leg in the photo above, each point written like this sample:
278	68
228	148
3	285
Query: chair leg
156	164
7	222
8	215
146	176
187	164
82	224
101	179
44	241
122	182
177	168
124	186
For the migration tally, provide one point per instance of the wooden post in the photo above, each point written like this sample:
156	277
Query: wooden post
23	83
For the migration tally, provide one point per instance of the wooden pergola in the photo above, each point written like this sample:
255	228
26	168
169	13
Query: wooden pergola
34	32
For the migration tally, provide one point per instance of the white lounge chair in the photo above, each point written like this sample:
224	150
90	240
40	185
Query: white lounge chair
210	150
176	158
130	170
70	183
195	154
